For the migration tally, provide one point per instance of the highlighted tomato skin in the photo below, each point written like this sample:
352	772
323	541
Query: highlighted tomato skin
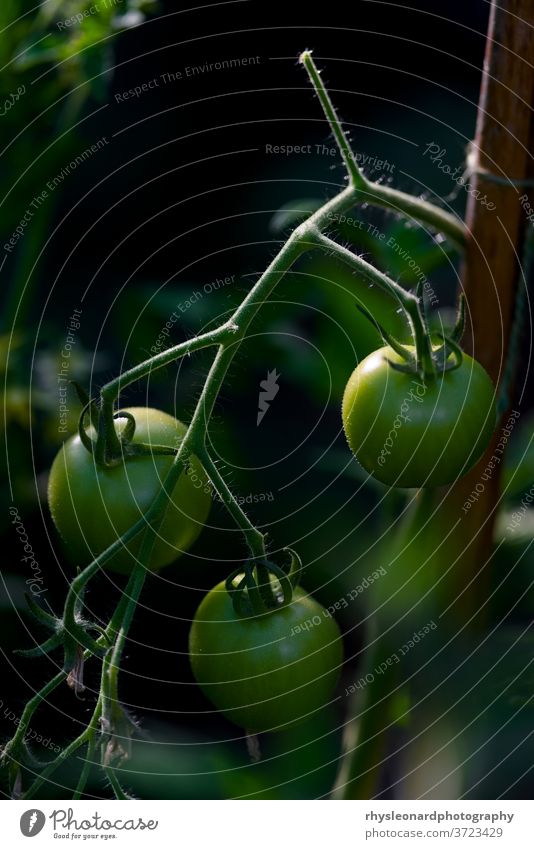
407	432
267	672
92	506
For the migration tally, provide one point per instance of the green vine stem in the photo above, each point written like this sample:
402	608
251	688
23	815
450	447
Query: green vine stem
410	303
226	338
254	538
376	193
123	614
89	761
356	176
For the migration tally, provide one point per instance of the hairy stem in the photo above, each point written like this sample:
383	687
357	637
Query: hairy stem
89	762
254	538
356	176
111	390
409	302
417	209
63	756
376	193
11	748
115	784
112	668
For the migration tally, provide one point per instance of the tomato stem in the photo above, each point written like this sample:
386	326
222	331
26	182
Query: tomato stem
108	445
423	344
254	538
410	303
355	174
377	193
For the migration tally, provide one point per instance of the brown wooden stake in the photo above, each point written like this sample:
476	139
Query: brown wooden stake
496	224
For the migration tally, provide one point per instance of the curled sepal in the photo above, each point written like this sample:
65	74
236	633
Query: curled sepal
256	598
127	433
49	645
47	620
409	368
86	440
449	347
388	338
87	403
74	626
261	586
41	615
74	641
80	636
236	592
246	596
285	584
459	327
295	569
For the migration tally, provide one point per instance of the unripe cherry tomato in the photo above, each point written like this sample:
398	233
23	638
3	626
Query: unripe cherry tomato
92	506
269	671
407	432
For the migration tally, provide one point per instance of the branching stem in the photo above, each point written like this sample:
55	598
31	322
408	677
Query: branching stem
226	338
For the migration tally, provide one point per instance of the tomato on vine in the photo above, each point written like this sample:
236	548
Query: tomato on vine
92	505
409	431
267	671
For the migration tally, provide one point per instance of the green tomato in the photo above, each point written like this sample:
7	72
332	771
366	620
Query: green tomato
92	506
269	671
410	433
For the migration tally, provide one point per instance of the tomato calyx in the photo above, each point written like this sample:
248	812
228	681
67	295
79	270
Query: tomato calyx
261	586
110	449
446	356
70	633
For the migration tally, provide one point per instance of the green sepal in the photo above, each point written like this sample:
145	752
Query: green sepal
285	584
388	338
49	645
86	440
409	368
129	430
88	404
441	357
252	598
82	638
459	327
46	619
236	593
295	569
255	597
